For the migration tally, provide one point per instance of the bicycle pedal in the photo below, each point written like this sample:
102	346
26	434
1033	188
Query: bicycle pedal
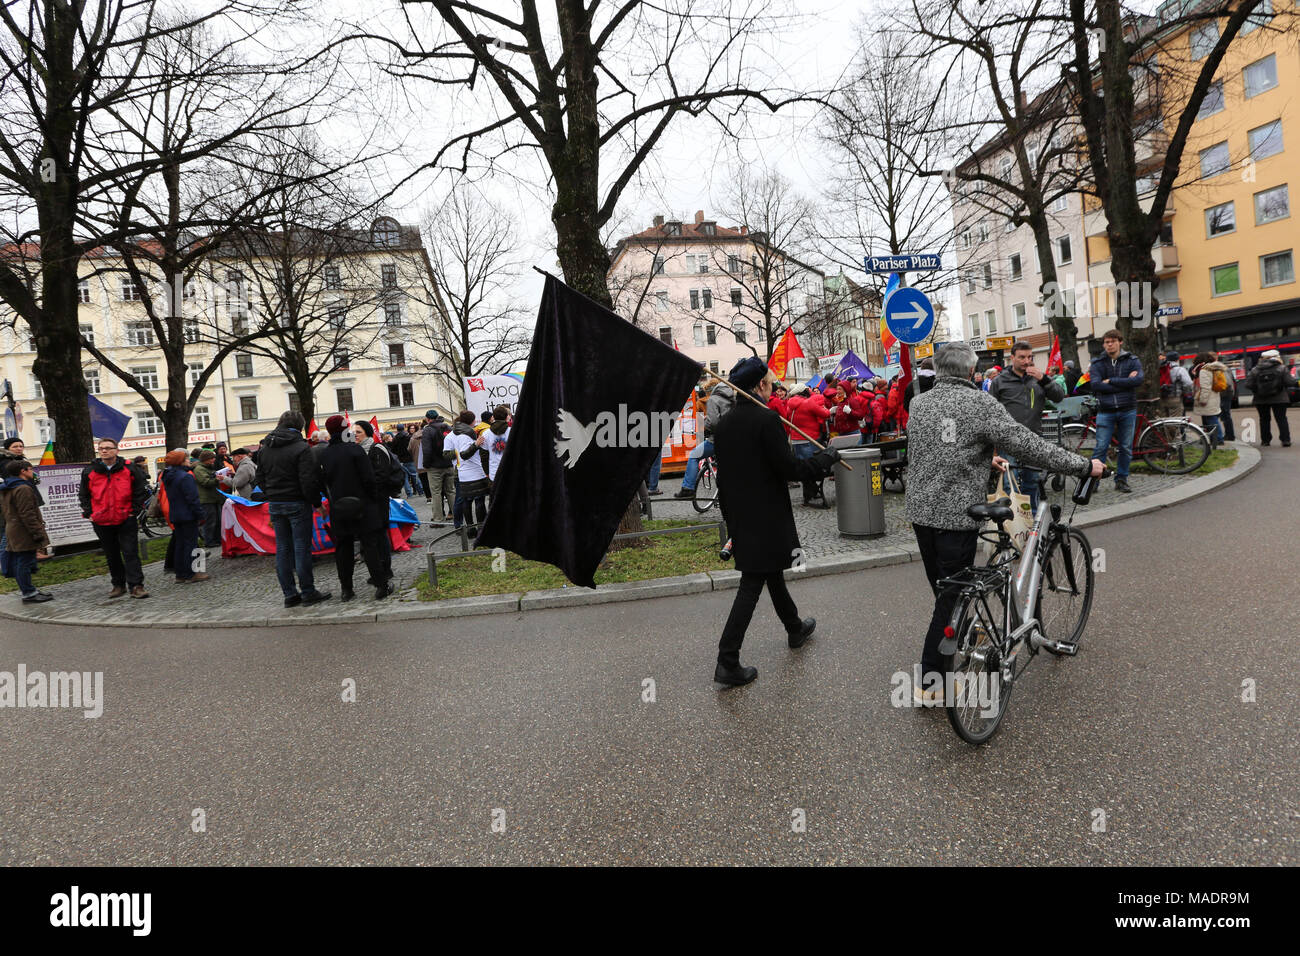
1068	650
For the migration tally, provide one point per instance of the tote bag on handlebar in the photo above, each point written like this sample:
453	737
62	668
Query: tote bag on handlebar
1022	520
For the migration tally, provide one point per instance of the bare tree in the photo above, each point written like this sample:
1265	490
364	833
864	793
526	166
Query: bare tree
479	328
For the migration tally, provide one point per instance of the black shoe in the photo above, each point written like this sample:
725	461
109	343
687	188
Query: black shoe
293	601
38	598
1122	486
800	637
1286	444
683	493
1265	444
315	597
383	592
347	595
734	676
655	493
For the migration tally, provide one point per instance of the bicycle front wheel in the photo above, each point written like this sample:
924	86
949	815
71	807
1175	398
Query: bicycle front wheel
706	492
1174	447
978	695
1065	597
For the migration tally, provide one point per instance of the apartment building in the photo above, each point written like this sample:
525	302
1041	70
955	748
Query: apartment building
693	285
389	371
852	322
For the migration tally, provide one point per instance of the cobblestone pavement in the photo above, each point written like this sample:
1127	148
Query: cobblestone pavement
246	586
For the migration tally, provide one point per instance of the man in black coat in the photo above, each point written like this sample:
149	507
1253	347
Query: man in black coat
290	479
350	484
755	463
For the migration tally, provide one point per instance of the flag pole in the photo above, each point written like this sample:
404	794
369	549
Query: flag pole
741	391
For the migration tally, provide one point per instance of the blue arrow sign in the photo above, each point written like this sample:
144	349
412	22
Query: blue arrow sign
925	262
909	316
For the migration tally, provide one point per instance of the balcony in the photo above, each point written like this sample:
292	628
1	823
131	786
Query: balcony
1166	258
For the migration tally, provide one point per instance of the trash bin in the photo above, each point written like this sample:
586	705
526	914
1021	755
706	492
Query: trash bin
859	494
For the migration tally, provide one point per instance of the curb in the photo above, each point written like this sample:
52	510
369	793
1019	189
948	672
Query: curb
1249	458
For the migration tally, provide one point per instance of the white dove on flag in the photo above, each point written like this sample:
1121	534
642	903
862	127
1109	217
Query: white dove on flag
574	437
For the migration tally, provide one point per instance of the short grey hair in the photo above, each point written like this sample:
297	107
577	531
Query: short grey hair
954	358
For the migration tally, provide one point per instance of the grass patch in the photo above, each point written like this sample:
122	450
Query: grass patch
667	555
1219	458
76	567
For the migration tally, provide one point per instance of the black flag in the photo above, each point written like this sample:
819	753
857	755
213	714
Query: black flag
598	401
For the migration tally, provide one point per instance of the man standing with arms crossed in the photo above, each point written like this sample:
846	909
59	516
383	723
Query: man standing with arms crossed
112	493
1115	377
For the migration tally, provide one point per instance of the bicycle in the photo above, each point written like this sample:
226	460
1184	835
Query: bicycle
706	489
150	526
1021	602
1173	446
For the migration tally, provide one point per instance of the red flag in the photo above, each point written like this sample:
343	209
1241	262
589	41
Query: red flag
786	350
311	428
374	423
1054	356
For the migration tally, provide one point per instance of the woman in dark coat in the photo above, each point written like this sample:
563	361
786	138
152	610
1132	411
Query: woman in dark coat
184	512
755	463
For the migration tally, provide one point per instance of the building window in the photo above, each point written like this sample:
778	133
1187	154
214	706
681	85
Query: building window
344	397
707	297
659	265
1266	140
236	296
661	301
1064	254
988	275
239	324
139	333
1276	269
710	334
1271	205
1260	18
1060	202
963	239
736	298
1260	76
1015	268
336	315
195	370
704	263
83	291
1225	280
87	333
971	280
243	365
91	375
708	229
738	330
45	430
713	367
1213	102
37	391
342	360
991	321
392	314
385	232
147	423
132	291
190	330
1022	319
388	276
295	403
983	232
399	395
733	265
760	334
396	354
673	229
202	418
698	329
248	407
333	279
695	299
146	375
1203	40
1215	160
666	334
1220	220
974	320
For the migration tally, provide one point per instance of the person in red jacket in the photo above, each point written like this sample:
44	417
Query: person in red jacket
849	409
778	400
808	415
896	410
112	493
798	395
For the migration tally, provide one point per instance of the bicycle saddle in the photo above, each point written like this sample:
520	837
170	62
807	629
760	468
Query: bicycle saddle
996	511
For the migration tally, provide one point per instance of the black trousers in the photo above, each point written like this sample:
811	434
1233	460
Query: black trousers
122	549
742	611
943	553
345	531
1266	424
376	524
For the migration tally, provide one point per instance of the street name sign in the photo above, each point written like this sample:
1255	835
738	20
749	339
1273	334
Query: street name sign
909	316
924	262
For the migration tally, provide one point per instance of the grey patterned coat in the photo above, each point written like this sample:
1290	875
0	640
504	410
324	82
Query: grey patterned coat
951	436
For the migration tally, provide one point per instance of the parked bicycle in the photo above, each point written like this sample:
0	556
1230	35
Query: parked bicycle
150	520
706	489
1021	602
1174	446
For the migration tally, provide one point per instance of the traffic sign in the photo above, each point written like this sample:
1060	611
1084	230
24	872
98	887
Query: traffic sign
924	262
909	316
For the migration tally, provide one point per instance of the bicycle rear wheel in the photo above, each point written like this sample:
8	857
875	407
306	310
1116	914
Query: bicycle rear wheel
979	696
706	492
1065	597
1174	447
1082	440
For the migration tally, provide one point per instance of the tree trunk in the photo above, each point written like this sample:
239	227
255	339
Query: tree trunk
176	417
1131	263
58	343
1052	294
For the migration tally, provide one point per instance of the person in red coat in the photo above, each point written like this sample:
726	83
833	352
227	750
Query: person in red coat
778	400
850	408
807	412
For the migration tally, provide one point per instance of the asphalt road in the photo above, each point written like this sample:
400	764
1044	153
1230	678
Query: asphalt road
541	716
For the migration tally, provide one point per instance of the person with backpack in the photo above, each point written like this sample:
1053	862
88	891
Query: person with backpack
1211	380
20	504
388	482
1175	382
290	480
1270	383
401	447
1225	406
350	487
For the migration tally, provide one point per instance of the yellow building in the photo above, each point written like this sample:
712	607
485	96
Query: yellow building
1226	256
